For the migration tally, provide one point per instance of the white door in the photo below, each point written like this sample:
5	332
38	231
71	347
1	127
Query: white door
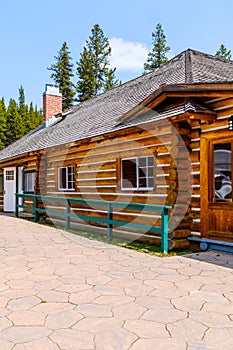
9	189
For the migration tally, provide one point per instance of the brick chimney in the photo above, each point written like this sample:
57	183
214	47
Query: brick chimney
52	103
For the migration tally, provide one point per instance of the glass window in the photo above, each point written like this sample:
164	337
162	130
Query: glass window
10	175
222	171
1	184
29	178
66	178
137	173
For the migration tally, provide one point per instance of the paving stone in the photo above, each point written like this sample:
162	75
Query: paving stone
94	310
64	319
128	311
27	318
147	329
120	339
20	334
165	316
97	325
184	330
211	319
71	339
38	344
83	297
24	303
158	344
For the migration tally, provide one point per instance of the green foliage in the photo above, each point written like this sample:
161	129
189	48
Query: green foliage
93	69
15	127
157	55
17	119
86	83
62	75
223	52
111	81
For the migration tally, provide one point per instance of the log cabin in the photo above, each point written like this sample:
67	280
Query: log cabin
163	138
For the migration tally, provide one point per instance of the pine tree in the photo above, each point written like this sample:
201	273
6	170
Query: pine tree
223	52
15	127
23	111
62	75
111	81
2	123
93	69
157	55
86	83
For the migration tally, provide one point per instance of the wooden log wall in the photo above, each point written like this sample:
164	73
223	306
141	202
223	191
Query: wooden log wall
97	171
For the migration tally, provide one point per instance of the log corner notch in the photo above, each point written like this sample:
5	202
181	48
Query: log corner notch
180	185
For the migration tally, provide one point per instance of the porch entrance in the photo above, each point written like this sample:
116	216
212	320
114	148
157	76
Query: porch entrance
216	188
9	189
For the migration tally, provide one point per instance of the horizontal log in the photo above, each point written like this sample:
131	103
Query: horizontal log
179	244
179	152
182	233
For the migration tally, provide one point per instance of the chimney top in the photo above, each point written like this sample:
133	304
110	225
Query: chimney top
52	104
51	89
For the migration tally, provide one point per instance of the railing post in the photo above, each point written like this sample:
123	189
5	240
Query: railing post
35	201
67	215
164	233
109	233
16	205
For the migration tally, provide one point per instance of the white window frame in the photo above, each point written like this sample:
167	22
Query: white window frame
67	180
136	160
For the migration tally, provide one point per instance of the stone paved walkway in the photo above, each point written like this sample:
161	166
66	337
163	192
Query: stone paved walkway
60	291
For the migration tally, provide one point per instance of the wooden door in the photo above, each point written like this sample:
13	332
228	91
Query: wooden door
216	188
9	189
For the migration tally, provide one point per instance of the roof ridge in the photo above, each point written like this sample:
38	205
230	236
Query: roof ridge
188	67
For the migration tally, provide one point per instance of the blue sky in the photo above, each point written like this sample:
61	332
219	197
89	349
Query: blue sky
32	33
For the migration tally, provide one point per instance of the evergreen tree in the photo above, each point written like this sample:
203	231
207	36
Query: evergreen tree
23	110
157	55
111	81
62	75
223	52
94	74
86	83
15	127
2	123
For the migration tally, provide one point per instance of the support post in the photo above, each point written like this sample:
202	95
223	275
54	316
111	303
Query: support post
35	209
67	215
109	233
164	233
16	205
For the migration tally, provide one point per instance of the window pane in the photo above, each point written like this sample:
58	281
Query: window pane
222	171
150	182
129	173
142	162
62	178
70	177
29	181
9	175
151	161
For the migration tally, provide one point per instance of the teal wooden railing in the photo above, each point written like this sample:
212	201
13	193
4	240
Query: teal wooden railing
108	220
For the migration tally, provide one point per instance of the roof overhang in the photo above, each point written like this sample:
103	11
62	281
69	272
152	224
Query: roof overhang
203	90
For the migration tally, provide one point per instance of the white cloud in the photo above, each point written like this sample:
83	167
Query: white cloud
127	55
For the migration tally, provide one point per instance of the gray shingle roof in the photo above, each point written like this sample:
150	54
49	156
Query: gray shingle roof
102	113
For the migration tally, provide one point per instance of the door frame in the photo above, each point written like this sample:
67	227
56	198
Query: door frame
206	174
